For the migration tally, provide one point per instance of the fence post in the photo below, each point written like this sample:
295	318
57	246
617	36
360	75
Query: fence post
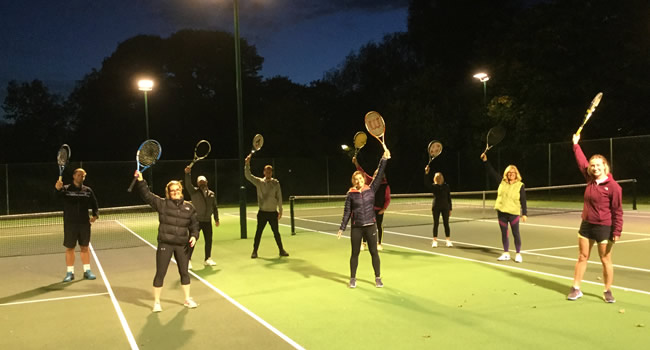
7	185
549	164
611	156
327	175
293	222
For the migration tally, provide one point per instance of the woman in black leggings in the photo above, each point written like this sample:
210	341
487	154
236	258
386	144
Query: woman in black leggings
359	207
441	204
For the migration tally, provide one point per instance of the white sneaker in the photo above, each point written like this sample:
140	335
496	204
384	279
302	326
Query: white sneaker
190	304
518	258
156	307
434	244
210	262
379	247
189	265
504	257
363	246
449	244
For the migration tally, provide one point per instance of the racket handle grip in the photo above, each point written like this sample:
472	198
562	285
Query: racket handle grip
579	130
60	178
191	165
132	184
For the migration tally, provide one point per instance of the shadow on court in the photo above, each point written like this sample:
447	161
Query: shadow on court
150	334
37	292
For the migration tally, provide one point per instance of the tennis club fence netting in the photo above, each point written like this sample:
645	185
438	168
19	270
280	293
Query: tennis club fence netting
324	213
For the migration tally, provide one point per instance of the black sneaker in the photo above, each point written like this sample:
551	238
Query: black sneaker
254	255
284	253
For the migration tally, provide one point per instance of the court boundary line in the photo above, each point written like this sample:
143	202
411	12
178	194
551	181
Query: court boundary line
125	326
225	296
491	263
53	299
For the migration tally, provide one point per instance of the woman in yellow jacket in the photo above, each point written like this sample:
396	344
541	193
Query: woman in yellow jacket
510	206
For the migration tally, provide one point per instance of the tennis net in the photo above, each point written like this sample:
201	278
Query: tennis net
324	213
42	233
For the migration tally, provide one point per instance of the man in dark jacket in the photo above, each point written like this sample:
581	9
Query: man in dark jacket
177	232
77	199
205	203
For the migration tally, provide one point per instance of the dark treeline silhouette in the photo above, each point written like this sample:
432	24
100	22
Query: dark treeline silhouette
545	61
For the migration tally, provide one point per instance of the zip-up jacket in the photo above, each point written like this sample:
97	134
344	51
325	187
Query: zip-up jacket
177	217
76	202
382	197
602	200
359	204
205	203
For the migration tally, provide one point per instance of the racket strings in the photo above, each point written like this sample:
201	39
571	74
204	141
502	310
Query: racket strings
202	150
62	157
149	153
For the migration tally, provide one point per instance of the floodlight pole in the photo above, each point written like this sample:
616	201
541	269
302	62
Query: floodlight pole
240	124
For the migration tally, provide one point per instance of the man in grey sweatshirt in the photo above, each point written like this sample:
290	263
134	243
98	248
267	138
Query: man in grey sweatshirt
205	203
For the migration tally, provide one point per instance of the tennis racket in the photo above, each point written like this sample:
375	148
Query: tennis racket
376	126
201	150
360	139
494	136
590	110
147	155
258	142
62	158
434	149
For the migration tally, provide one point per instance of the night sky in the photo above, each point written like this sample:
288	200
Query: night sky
59	42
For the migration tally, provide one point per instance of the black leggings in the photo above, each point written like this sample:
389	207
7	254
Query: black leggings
370	234
262	218
206	227
504	219
164	255
445	221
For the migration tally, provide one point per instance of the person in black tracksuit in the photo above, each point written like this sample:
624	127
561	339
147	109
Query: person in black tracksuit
205	203
77	200
177	232
441	204
359	208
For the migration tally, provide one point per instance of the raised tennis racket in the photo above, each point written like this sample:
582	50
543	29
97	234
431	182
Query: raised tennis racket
360	139
376	126
434	149
590	110
147	155
201	150
494	136
62	158
258	142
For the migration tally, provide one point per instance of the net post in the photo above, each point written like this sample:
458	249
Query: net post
484	199
292	199
633	194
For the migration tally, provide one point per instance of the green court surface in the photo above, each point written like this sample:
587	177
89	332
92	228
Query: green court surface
458	297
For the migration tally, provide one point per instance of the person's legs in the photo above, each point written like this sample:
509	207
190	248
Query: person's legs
261	223
436	222
355	240
503	226
206	227
84	254
273	222
69	257
163	256
605	253
514	224
370	233
584	250
380	226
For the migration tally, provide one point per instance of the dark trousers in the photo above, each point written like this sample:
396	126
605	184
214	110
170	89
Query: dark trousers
369	233
206	227
445	221
164	256
262	218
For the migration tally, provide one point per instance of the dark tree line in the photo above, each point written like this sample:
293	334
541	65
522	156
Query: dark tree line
546	62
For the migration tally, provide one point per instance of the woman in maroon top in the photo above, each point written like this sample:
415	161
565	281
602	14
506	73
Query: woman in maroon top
602	219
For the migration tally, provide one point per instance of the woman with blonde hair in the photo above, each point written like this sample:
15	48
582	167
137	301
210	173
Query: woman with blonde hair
510	206
441	204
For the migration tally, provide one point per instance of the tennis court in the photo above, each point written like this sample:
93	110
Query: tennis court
458	297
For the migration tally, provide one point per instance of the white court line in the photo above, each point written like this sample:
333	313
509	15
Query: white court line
492	264
116	305
529	252
574	246
227	297
53	299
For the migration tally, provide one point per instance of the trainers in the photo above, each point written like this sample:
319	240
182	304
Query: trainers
156	307
210	262
284	253
378	282
89	275
353	283
68	277
254	255
190	304
504	257
363	246
609	298
518	258
434	244
189	265
449	244
576	294
379	247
